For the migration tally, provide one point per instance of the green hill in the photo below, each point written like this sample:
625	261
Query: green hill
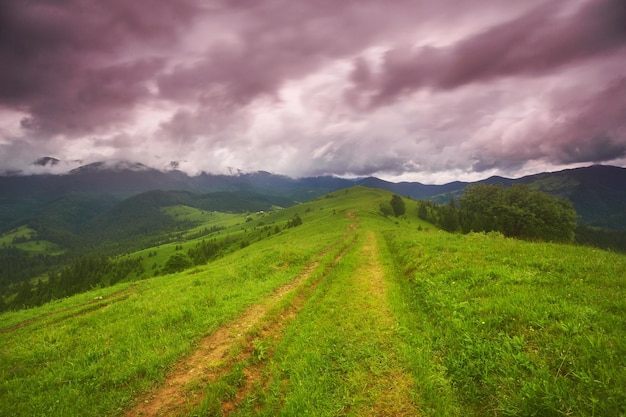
348	313
78	225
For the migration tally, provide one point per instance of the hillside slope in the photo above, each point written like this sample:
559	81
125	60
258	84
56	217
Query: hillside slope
349	312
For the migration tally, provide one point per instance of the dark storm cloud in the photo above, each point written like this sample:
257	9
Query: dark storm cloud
593	130
96	97
271	43
268	44
597	149
311	87
63	62
582	128
536	43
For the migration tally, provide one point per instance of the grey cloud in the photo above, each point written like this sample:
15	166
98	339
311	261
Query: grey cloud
272	43
536	43
210	76
584	128
64	62
597	149
97	98
593	129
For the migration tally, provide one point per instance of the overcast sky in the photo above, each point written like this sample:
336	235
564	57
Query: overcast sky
424	90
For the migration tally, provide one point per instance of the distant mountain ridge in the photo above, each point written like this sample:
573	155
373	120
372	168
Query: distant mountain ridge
598	192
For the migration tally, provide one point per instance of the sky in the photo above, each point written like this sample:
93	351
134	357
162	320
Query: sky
416	90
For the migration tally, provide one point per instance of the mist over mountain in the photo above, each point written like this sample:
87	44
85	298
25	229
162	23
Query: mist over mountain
598	192
46	161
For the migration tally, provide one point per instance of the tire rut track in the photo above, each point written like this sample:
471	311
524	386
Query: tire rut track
395	386
211	359
391	390
75	311
254	373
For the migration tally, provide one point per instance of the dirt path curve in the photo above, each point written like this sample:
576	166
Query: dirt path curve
205	364
214	357
254	373
388	390
88	306
393	389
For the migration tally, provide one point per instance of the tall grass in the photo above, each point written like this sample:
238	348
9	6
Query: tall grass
94	362
518	328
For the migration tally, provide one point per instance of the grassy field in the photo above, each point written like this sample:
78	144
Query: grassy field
518	328
25	238
351	313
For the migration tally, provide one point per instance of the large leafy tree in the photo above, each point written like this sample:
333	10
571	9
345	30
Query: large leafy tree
518	212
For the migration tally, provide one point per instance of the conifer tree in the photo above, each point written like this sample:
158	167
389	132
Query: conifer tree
398	206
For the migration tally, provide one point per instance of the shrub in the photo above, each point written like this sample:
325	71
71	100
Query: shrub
177	262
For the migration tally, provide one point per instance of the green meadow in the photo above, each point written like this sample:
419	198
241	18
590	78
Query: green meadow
350	313
25	239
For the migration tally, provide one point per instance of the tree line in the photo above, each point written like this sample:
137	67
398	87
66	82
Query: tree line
517	212
85	273
206	251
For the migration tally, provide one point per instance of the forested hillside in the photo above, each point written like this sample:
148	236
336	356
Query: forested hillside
597	192
48	245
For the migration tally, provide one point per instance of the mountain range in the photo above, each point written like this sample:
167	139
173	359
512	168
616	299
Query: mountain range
598	192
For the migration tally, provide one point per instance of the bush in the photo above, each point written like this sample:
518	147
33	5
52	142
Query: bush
386	209
294	222
177	262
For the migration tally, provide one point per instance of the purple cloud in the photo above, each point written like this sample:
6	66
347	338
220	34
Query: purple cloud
415	87
533	44
70	65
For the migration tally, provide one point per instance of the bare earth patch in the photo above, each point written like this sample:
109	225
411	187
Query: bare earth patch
208	362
